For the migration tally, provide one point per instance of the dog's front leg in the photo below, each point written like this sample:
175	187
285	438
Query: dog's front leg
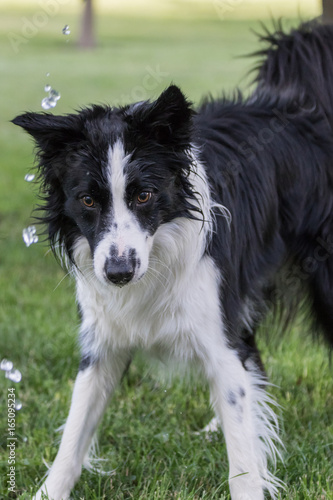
249	424
93	387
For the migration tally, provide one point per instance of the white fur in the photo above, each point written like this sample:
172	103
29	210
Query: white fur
174	311
92	390
124	232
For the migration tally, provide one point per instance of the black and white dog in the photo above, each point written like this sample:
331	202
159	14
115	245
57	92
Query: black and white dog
183	228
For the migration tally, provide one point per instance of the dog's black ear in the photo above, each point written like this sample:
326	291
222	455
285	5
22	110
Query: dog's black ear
49	130
54	137
168	120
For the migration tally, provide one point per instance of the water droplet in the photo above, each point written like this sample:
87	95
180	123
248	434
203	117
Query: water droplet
66	30
14	375
29	235
29	177
6	365
18	405
46	103
54	95
47	74
50	101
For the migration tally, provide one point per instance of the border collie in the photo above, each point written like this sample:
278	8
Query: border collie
183	228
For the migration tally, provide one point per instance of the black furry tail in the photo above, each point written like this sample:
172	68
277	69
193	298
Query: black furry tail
299	65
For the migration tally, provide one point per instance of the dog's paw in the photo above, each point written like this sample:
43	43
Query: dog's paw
49	493
246	487
245	496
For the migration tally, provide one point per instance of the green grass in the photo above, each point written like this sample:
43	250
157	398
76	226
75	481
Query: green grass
148	433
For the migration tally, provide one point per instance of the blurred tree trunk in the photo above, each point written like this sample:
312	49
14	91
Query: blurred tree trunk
87	37
328	11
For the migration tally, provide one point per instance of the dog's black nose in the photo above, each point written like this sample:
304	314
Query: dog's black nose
119	271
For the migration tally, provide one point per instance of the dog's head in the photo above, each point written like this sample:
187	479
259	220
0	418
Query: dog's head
113	176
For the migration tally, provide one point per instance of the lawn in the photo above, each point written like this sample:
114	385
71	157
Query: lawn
148	435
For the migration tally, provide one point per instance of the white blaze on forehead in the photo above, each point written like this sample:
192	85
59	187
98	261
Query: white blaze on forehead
117	161
124	235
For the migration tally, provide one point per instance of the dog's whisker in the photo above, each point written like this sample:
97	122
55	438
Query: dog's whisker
157	275
62	279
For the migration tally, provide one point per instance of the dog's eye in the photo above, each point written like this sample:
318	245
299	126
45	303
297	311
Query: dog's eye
88	201
143	197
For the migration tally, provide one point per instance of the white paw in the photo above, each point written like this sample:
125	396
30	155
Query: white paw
245	496
246	487
50	493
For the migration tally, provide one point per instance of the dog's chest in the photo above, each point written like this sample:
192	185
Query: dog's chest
169	314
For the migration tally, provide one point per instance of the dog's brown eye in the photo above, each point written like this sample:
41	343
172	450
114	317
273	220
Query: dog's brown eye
144	197
88	201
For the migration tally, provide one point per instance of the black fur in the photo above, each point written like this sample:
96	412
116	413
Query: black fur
72	152
298	65
276	179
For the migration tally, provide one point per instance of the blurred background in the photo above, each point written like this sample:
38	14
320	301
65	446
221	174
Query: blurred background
189	42
67	54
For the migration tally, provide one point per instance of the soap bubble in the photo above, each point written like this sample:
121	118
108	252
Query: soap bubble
14	375
29	177
6	365
66	30
29	235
